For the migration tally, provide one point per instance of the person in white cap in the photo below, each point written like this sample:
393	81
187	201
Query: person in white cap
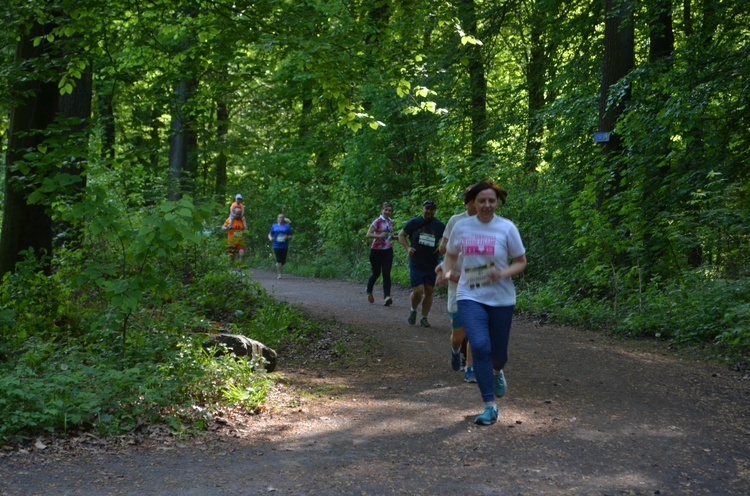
236	235
237	204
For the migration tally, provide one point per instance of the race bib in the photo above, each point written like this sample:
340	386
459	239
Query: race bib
280	238
427	239
477	277
237	234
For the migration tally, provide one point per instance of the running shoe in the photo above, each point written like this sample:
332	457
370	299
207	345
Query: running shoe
388	301
370	298
499	385
278	277
412	317
424	322
469	375
456	360
488	417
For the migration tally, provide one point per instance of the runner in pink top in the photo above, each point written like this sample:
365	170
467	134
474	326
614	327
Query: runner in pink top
381	253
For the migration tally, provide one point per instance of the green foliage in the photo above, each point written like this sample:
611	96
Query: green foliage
137	256
716	311
34	305
697	309
66	360
328	119
230	301
60	383
49	392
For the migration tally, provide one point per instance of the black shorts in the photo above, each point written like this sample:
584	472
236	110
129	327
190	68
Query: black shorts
280	255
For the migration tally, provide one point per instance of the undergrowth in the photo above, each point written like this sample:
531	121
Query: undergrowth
107	346
695	311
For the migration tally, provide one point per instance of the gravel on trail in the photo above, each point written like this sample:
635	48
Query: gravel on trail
585	414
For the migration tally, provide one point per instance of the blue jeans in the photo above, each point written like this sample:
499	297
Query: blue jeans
488	331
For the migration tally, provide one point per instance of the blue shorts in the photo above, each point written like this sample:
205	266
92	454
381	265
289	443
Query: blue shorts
418	277
456	322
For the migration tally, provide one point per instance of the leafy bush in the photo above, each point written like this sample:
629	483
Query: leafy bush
694	310
697	309
31	303
47	391
115	340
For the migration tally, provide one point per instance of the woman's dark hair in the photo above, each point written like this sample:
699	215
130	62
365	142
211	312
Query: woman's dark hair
385	204
473	191
466	192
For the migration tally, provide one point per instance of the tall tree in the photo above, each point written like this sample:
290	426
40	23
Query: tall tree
28	226
619	60
222	130
661	47
536	71
467	13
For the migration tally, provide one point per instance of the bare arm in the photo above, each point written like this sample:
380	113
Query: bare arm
443	245
372	234
403	239
517	266
449	263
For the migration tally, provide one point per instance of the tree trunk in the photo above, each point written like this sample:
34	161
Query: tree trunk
536	68
618	62
477	81
696	143
222	116
655	242
181	143
27	226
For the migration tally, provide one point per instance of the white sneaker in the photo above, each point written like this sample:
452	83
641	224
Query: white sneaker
278	277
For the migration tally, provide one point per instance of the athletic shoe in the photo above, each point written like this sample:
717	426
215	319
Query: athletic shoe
388	301
370	298
424	322
278	277
499	385
488	417
412	317
469	375
456	360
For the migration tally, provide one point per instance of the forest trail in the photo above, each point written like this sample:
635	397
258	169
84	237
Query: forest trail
584	415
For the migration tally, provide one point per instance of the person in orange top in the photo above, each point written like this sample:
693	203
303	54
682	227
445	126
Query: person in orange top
238	204
235	224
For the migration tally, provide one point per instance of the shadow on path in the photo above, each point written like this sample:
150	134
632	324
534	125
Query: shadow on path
584	415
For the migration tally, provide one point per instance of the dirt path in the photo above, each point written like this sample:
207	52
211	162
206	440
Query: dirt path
584	415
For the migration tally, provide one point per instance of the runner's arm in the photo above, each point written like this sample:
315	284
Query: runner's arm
371	232
449	263
402	238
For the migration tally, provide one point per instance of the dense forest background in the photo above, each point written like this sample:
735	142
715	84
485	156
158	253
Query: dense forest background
620	128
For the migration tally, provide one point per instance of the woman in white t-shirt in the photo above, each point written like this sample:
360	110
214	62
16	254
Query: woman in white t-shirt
486	295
